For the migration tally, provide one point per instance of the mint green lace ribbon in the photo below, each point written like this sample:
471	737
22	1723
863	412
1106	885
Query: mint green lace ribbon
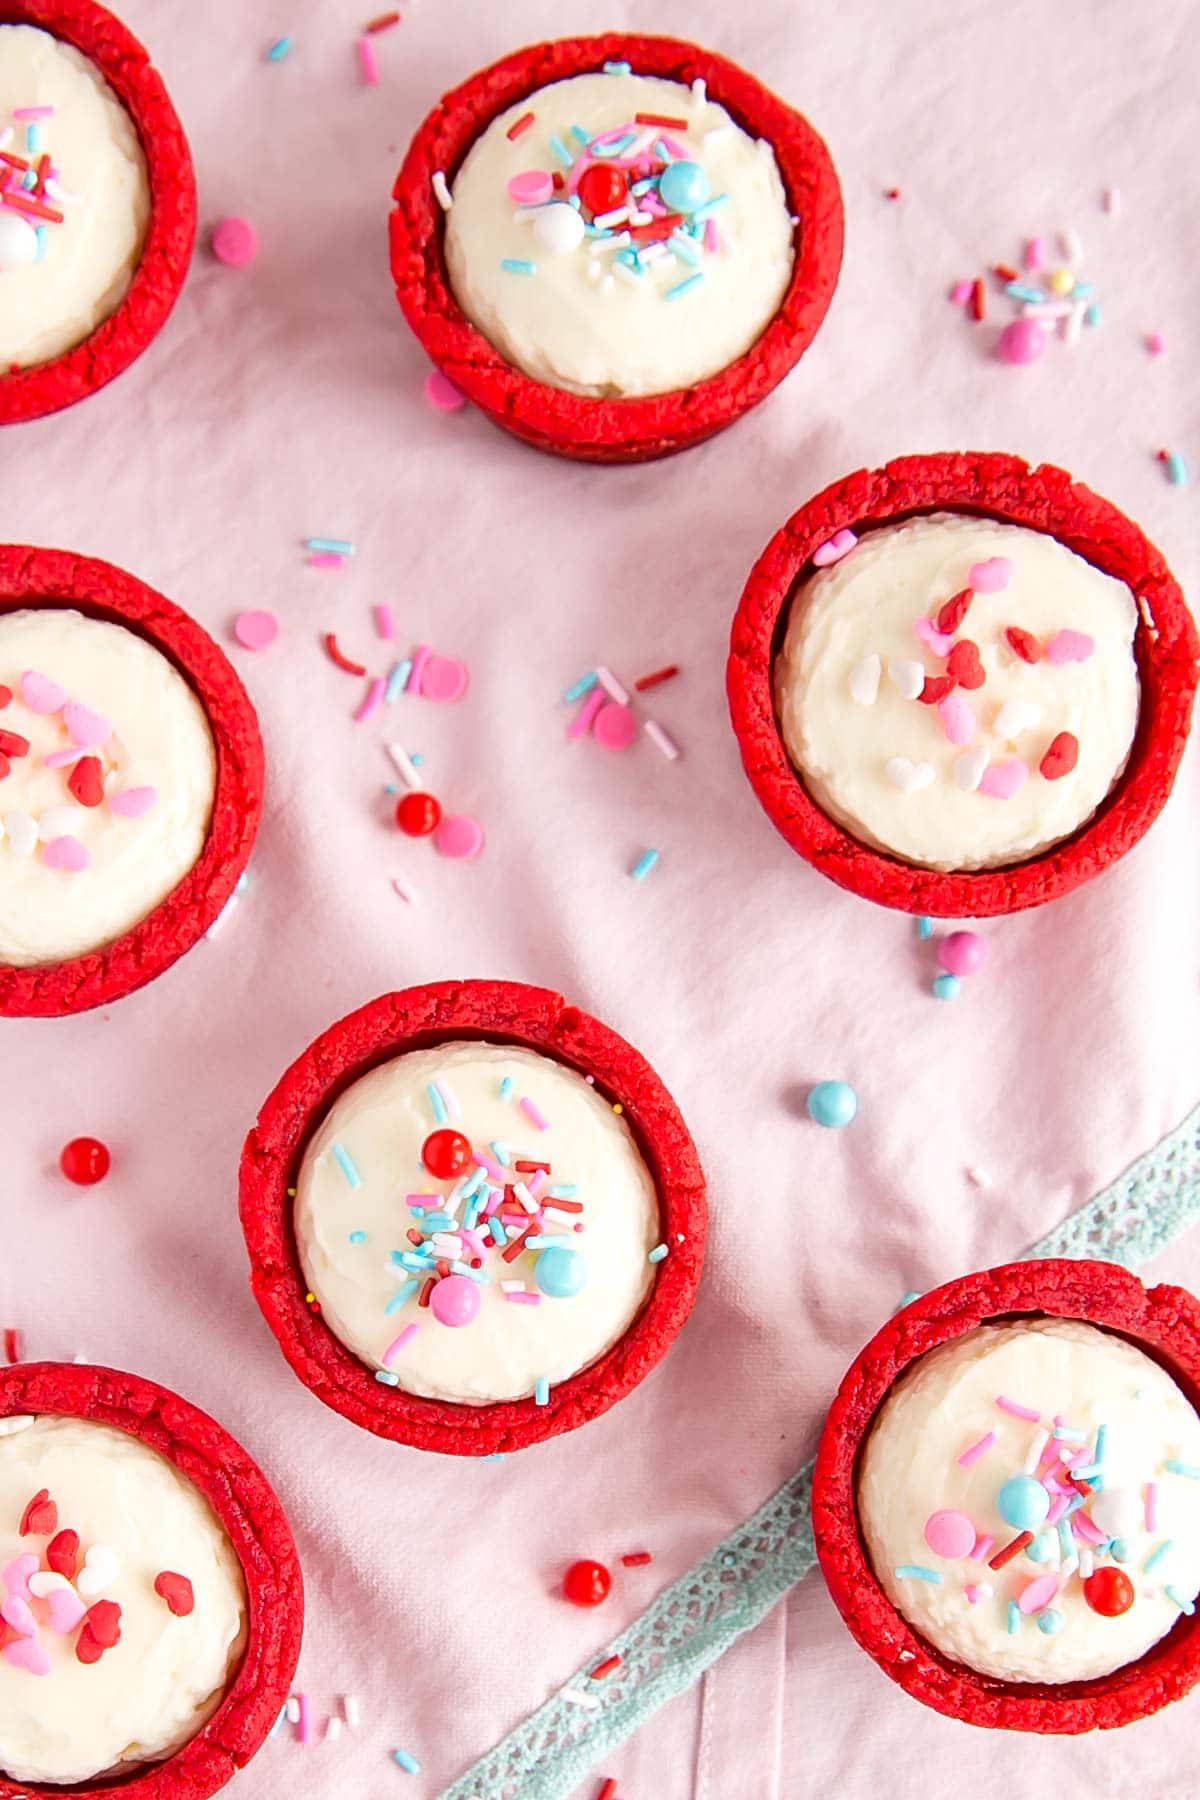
694	1621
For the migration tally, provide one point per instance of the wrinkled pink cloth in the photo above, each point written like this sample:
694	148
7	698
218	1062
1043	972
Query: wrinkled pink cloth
284	399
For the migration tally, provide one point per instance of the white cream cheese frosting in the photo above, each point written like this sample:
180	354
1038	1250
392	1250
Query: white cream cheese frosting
137	1518
595	308
953	1433
364	1193
90	200
964	784
74	876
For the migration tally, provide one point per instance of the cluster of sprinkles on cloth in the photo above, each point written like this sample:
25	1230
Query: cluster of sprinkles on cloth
1048	294
74	197
584	219
960	692
1030	1498
476	1222
607	713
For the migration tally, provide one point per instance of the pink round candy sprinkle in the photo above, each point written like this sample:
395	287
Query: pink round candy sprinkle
1039	1593
615	726
40	694
990	576
958	718
460	837
235	242
962	953
455	1300
950	1534
1070	646
532	187
443	678
88	729
1021	342
66	853
132	802
256	630
441	392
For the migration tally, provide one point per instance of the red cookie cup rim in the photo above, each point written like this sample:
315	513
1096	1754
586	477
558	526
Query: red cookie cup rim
57	578
415	1018
576	425
997	487
1162	1321
31	393
256	1526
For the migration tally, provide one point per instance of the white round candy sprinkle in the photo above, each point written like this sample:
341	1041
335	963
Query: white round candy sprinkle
559	229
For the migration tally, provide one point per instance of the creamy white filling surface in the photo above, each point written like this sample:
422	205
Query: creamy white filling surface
585	319
912	778
55	289
159	751
352	1220
152	1690
1117	1408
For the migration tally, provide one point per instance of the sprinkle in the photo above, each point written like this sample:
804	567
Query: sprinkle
611	685
683	287
385	624
591	1702
1014	1618
977	1450
370	701
915	1572
605	1668
358	1237
340	660
1151	1506
400	1296
303	1720
982	1545
333	1728
1090	1472
12	1344
397	680
1021	290
616	68
407	1761
533	1114
1112	200
1010	1550
1157	1554
351	1710
1156	343
280	1722
561	152
387	1378
441	191
383	23
325	559
643	865
636	1559
369	61
1068	1433
978	300
506	1087
334	546
33	112
661	740
402	888
1177	1599
541	1391
1018	1412
658	1254
579	688
397	1344
345	1163
1036	1447
518	126
1191	1470
1176	469
659	675
292	1709
515	265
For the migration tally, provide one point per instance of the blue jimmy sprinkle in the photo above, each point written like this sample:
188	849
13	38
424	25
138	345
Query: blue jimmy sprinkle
515	265
345	1163
917	1572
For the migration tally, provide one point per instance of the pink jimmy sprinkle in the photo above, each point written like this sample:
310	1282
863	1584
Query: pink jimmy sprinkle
1083	1528
369	61
616	131
397	1344
33	112
573	179
581	724
533	1113
972	1592
420	658
385	624
977	1450
420	1199
1018	1412
370	700
325	559
1057	1509
1151	1504
474	1240
537	1182
982	1546
675	147
961	292
525	1299
493	1168
303	1721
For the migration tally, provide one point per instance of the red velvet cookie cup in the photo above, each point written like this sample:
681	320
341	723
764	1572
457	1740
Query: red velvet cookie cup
118	340
254	1522
996	487
574	425
502	1012
31	577
1164	1322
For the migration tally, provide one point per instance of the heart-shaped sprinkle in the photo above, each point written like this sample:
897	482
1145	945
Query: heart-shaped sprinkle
1069	647
958	718
864	680
132	802
1025	645
44	1582
1002	780
907	677
99	1570
21	832
5	696
909	777
13	744
176	1590
58	821
990	576
66	1610
1016	716
28	1654
929	634
964	664
86	781
66	853
87	1649
1061	757
88	729
104	1623
16	1612
40	1518
841	544
953	611
40	694
16	1575
62	1553
969	767
935	689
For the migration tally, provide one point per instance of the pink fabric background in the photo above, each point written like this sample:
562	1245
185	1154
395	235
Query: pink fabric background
285	399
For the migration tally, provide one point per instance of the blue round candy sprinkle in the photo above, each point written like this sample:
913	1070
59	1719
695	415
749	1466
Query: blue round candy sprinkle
946	987
683	186
560	1273
1120	1550
1050	1622
832	1103
1023	1503
1043	1547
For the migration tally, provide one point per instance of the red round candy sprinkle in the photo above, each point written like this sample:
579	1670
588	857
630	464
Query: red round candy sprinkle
602	188
1109	1592
445	1154
418	814
85	1160
587	1583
